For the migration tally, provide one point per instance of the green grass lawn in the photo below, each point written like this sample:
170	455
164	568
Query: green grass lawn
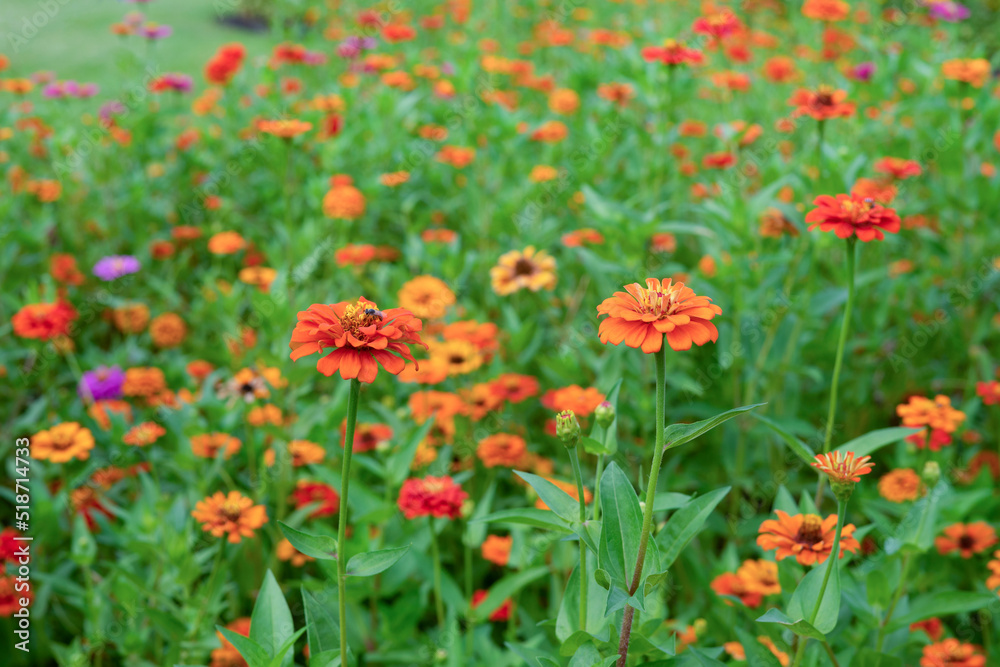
74	39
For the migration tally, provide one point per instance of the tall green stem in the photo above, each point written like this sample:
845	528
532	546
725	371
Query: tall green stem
345	478
903	574
436	557
597	486
471	620
845	326
574	455
659	358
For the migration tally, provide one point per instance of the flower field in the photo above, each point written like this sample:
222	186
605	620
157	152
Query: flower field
541	333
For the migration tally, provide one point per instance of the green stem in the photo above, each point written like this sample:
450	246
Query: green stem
845	326
659	359
597	486
436	557
471	620
208	588
903	574
574	455
345	479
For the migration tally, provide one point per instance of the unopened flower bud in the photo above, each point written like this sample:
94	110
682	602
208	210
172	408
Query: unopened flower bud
567	428
932	474
604	414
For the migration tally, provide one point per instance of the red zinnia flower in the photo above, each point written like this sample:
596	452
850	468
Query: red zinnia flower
431	496
364	338
845	215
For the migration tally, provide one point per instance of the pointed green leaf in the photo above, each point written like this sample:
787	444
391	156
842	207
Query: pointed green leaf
676	435
323	629
282	656
558	500
248	648
757	654
800	448
322	547
663	502
944	603
271	621
685	524
803	600
528	516
398	465
798	626
594	447
373	562
622	527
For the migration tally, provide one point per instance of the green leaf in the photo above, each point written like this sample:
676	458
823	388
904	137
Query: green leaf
757	654
942	603
874	440
700	658
669	501
323	547
248	648
594	447
528	516
798	626
475	531
676	435
622	527
271	621
803	600
323	629
685	524
558	500
568	619
506	587
282	656
800	448
373	562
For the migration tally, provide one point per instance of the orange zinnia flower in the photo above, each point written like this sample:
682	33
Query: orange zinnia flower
989	392
167	330
672	53
515	388
496	549
367	437
364	337
899	486
426	297
973	71
826	10
235	515
732	584
209	444
431	496
807	537
284	128
530	269
897	167
821	104
582	402
501	449
226	243
144	434
937	414
63	442
343	201
847	215
952	653
968	539
642	316
843	468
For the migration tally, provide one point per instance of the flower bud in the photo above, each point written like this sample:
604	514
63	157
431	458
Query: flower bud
605	414
567	428
932	474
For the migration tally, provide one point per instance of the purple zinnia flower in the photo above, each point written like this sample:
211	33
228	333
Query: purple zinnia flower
155	31
116	266
949	11
101	384
863	71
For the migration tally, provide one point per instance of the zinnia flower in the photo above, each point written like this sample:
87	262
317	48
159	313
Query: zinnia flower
899	486
822	104
63	442
431	496
101	383
807	537
364	337
501	449
843	468
936	414
517	270
323	497
208	445
968	539
496	549
847	215
235	515
499	615
641	316
426	297
952	653
44	321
